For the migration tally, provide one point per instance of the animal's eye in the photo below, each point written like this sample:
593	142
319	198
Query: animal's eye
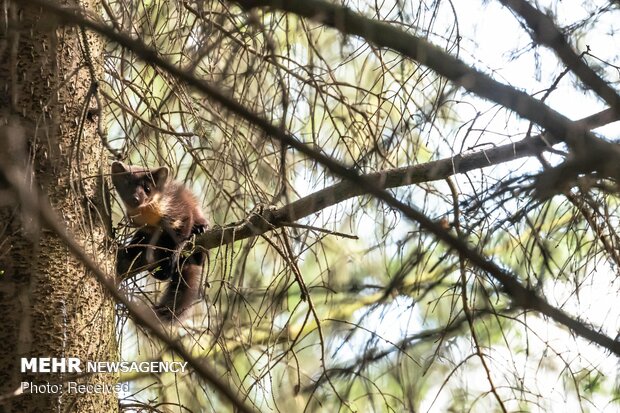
147	188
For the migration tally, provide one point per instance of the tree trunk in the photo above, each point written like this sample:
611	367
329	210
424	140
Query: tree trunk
50	305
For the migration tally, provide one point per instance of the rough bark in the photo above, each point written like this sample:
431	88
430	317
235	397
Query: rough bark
51	305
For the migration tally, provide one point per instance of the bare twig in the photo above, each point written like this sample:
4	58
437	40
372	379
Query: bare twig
468	313
385	35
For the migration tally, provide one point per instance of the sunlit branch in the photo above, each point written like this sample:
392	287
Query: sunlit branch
257	224
591	153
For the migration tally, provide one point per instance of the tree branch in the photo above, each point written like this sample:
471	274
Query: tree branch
257	224
591	152
548	34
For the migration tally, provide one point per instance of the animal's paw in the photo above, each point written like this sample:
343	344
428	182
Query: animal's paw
261	208
199	229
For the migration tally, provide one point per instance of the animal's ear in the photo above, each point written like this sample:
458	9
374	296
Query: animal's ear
160	176
119	168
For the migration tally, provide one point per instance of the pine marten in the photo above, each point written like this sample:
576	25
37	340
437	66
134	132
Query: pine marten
167	215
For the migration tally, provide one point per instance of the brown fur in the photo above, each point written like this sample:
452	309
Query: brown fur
167	215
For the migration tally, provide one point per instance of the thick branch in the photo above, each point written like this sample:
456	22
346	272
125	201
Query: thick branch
258	224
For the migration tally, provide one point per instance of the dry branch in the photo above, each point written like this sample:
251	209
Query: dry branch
591	153
258	224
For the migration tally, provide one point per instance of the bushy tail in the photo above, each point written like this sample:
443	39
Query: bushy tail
181	293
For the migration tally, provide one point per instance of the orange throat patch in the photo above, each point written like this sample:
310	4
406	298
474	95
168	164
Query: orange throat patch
149	214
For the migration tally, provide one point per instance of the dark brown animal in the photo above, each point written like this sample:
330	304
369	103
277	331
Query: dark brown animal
167	215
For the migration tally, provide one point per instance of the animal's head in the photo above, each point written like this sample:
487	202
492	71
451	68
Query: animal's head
137	186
